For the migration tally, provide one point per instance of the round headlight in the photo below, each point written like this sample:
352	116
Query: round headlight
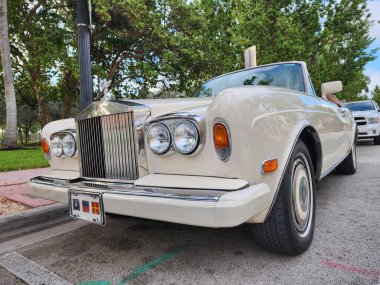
185	137
56	146
158	138
69	146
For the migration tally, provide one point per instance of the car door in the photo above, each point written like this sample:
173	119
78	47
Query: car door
338	133
334	134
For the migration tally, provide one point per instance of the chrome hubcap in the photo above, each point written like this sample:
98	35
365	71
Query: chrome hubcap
302	195
354	154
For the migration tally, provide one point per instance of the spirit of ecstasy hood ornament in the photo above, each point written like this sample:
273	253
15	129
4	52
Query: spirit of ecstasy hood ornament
106	95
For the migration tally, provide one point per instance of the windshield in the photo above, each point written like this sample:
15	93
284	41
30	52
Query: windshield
361	106
286	75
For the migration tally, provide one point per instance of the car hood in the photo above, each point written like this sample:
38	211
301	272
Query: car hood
371	113
159	107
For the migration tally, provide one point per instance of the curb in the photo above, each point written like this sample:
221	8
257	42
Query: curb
32	220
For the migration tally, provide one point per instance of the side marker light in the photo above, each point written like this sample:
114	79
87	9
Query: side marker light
270	165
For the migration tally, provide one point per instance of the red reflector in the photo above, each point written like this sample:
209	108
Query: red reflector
95	208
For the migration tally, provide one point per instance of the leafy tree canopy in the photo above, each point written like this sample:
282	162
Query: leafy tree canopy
376	94
145	48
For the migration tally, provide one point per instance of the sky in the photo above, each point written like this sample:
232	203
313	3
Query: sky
372	69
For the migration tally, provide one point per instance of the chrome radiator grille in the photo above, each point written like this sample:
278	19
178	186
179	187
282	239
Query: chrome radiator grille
107	147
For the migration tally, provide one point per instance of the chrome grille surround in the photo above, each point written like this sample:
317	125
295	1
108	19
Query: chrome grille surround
172	119
360	121
108	141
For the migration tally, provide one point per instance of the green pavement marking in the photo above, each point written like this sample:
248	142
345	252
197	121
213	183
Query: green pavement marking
142	269
101	282
139	270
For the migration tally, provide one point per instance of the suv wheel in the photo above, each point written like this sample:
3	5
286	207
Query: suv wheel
376	140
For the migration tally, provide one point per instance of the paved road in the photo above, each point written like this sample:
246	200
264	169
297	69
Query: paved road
345	250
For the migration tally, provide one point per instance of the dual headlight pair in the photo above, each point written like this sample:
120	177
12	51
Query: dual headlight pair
63	146
184	137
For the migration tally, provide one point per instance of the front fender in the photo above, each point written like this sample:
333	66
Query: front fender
262	130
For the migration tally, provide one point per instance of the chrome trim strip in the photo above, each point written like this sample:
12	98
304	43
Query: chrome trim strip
105	108
171	120
140	116
62	133
176	124
179	115
123	189
107	180
165	127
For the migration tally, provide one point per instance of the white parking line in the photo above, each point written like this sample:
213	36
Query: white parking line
14	244
29	271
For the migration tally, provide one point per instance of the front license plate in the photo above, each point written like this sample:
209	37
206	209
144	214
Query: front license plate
87	206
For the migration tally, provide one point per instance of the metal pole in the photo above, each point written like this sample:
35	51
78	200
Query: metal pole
250	57
83	22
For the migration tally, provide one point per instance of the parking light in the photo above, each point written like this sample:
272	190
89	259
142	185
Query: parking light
222	141
45	148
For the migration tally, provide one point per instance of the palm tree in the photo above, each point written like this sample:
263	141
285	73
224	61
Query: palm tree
10	140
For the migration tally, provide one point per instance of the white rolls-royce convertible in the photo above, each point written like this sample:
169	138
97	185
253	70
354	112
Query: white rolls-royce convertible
245	147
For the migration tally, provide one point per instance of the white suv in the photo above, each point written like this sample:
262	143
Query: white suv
367	118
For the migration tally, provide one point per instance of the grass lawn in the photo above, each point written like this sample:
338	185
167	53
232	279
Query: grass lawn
22	159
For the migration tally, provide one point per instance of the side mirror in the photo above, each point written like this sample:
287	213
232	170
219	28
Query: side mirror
331	88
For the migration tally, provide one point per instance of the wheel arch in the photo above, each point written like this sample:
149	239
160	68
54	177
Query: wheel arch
311	138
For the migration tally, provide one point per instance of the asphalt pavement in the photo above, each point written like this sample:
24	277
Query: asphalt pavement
345	249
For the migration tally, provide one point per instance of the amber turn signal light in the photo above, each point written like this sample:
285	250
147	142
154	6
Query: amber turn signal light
270	165
222	141
45	148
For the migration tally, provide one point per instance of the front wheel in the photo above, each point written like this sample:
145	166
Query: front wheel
289	227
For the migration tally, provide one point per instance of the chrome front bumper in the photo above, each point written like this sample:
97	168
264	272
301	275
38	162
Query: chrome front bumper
200	207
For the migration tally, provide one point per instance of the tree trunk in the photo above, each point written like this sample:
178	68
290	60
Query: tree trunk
26	131
44	116
10	140
20	135
67	107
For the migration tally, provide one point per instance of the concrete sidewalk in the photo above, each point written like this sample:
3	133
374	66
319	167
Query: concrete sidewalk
44	213
20	176
13	186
